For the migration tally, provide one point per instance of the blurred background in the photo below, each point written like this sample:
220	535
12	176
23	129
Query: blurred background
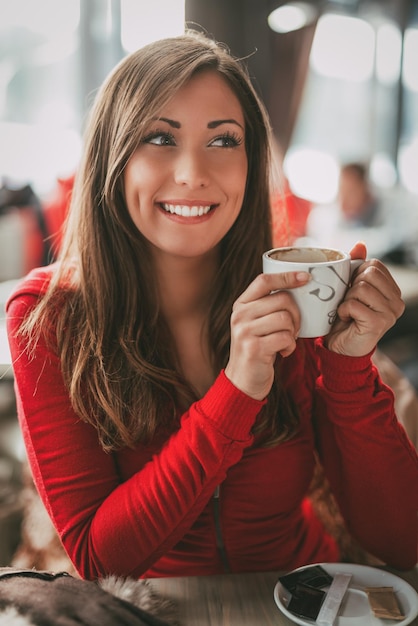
339	78
340	82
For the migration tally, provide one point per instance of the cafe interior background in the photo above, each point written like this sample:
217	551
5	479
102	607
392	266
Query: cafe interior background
340	81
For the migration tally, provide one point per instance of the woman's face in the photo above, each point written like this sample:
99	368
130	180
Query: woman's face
185	184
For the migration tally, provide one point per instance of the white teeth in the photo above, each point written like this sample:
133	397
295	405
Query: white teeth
186	211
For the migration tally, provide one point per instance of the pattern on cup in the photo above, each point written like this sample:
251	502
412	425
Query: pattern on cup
317	291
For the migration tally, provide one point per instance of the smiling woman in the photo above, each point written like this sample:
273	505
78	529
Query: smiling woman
192	164
171	415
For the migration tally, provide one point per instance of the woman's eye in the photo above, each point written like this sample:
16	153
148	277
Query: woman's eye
227	140
160	139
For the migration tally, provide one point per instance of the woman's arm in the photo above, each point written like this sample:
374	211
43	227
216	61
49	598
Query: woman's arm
107	525
369	461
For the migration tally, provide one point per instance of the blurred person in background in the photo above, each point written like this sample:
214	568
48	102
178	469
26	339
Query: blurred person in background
384	221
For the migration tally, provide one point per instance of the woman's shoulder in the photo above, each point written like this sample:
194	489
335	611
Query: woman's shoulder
37	301
35	284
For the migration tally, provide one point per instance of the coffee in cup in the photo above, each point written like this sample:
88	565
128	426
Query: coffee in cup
318	300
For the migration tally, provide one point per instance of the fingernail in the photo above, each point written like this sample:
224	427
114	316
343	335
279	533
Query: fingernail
303	277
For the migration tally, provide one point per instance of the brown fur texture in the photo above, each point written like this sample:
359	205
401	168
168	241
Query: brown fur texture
40	547
39	598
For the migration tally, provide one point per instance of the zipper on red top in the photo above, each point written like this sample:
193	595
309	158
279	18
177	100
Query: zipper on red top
218	529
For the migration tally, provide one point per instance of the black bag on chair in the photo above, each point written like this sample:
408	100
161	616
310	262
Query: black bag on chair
22	221
37	598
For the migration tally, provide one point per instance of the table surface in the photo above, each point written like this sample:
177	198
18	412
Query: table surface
235	599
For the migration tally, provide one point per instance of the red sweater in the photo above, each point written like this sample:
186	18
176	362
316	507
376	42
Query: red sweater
151	511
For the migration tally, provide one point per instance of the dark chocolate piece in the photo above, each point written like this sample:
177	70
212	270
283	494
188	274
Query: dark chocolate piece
314	576
306	601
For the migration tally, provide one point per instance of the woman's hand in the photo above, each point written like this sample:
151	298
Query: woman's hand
264	322
371	306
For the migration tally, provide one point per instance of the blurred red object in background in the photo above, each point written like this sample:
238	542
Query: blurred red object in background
56	209
289	214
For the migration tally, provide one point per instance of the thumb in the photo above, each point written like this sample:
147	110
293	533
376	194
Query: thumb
359	251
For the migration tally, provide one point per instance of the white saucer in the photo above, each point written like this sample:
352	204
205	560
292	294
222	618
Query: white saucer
355	609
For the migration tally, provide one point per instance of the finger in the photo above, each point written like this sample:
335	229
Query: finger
281	342
275	322
369	307
377	297
264	284
366	319
359	251
378	276
374	312
273	302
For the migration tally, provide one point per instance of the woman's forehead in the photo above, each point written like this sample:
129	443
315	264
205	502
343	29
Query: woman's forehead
207	93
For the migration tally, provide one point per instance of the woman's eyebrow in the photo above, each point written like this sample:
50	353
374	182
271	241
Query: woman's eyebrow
171	123
217	123
214	124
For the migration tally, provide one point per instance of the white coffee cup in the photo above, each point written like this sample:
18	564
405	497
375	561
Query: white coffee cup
318	300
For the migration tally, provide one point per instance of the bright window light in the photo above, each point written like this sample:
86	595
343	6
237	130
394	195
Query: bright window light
408	159
45	31
38	153
410	74
343	48
382	170
48	18
388	53
143	21
291	16
312	174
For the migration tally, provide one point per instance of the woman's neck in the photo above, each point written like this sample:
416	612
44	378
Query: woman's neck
184	288
184	284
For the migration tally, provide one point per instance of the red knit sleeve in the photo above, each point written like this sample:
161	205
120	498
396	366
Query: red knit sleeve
371	464
107	525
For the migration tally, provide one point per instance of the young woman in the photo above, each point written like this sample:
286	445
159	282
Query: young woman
171	416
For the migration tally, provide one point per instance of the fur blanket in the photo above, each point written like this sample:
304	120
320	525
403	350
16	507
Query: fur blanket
40	598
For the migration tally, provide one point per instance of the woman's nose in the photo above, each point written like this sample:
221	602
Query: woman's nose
191	170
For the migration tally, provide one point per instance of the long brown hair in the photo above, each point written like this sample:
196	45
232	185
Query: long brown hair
118	358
